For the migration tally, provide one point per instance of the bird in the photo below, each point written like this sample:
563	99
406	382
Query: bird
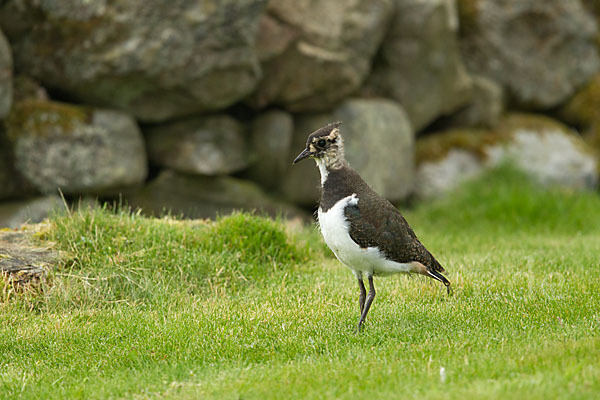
363	229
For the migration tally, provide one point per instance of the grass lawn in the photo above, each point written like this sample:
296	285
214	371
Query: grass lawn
253	308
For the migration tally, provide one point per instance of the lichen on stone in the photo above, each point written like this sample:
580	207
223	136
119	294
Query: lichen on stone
535	122
436	146
44	118
513	123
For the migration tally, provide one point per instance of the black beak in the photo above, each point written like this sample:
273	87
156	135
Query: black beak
305	153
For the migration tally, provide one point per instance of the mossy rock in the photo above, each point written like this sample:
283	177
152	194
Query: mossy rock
591	136
199	196
25	87
78	149
541	52
540	124
44	118
155	61
545	149
436	146
583	109
515	121
467	13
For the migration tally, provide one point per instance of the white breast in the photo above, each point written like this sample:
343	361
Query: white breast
336	232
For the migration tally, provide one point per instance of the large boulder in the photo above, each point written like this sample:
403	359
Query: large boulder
210	145
379	144
300	184
196	196
75	149
419	64
315	53
157	59
548	150
539	51
271	138
545	149
6	74
446	159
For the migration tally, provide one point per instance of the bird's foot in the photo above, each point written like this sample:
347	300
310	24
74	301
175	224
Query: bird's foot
361	326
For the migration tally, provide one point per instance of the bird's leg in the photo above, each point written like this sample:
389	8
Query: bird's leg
370	298
363	294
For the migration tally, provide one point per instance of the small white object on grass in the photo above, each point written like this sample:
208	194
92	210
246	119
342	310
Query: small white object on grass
442	374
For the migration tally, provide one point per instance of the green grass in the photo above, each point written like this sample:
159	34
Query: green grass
252	308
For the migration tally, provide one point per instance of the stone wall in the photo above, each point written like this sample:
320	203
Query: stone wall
199	107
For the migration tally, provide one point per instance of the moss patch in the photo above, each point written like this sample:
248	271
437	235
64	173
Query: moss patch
584	107
467	13
592	137
541	124
436	146
44	118
533	122
25	87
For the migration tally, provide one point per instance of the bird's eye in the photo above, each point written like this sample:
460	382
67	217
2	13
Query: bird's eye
321	143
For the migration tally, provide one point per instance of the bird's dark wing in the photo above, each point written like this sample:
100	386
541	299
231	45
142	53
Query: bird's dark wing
375	222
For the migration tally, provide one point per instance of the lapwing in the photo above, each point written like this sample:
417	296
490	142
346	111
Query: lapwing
364	230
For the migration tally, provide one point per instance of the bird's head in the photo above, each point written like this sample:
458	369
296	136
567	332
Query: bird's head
325	145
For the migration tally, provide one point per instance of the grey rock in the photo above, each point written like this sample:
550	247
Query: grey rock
314	53
6	74
436	178
300	184
24	264
379	144
76	149
211	145
484	108
419	63
156	59
545	149
530	47
12	183
272	134
16	213
27	88
194	196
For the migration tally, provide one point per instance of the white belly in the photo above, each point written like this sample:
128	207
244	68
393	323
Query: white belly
336	232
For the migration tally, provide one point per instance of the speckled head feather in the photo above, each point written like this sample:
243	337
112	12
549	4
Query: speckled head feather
326	146
324	131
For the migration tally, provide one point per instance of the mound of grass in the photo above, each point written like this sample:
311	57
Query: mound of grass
240	308
253	240
117	256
